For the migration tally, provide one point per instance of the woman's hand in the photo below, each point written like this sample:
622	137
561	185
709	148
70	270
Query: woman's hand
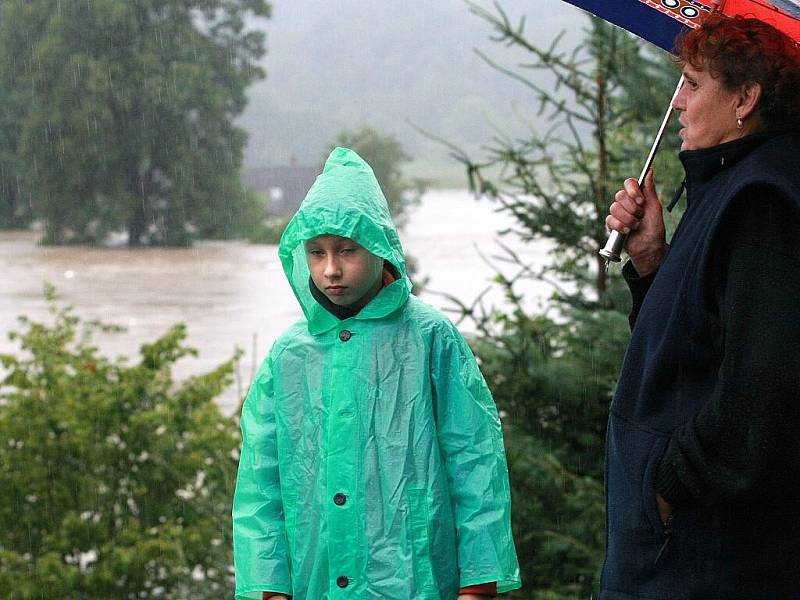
636	212
664	509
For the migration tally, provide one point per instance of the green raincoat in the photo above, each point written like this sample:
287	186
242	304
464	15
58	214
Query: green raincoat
372	463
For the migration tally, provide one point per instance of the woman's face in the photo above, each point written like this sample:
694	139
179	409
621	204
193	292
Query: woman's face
708	110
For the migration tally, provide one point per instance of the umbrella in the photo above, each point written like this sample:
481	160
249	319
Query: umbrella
659	22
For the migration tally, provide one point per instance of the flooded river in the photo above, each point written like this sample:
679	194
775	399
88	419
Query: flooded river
231	293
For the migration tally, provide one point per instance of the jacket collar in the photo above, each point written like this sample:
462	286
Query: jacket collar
389	299
340	312
703	165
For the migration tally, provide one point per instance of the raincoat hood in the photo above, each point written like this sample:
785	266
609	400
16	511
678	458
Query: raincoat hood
345	200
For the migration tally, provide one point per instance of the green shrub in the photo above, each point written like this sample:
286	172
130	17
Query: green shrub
115	481
269	231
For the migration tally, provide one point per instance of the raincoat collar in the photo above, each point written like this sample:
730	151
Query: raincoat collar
340	312
345	200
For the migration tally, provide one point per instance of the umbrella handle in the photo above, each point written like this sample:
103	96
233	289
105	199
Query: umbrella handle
616	240
613	248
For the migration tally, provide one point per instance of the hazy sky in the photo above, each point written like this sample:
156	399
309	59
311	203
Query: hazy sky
376	62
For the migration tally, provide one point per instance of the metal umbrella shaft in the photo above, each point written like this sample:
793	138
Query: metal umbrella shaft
616	241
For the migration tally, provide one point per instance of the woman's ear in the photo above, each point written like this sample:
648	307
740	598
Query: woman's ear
749	97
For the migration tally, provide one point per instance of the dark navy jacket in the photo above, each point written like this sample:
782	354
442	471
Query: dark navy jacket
743	547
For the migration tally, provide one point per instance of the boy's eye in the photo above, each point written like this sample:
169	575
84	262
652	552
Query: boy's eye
348	250
315	252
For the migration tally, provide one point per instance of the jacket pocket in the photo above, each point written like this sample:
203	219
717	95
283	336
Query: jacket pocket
650	505
419	530
634	533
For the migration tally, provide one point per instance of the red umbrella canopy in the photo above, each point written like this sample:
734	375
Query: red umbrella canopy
659	21
781	14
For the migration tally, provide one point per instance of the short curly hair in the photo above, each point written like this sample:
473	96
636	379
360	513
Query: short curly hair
741	50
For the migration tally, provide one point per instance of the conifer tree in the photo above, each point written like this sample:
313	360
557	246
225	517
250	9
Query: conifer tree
553	374
603	102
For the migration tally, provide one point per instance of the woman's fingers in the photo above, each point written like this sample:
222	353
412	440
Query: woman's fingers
627	202
633	190
615	224
635	207
624	214
636	213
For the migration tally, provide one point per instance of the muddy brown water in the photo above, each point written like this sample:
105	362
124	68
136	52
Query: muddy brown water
232	293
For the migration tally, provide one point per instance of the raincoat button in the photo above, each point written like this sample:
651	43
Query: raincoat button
342	581
339	499
345	335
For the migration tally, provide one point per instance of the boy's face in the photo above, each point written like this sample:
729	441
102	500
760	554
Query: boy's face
345	272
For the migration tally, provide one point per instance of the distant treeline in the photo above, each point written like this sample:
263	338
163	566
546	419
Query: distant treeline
118	116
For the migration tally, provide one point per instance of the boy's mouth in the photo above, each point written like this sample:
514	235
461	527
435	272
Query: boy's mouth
336	290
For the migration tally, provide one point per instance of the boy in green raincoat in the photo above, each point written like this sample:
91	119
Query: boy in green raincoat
372	462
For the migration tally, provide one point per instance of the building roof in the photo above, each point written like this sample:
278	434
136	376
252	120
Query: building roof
285	186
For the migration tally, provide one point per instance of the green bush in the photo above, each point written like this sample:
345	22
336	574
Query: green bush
115	481
552	381
269	231
557	517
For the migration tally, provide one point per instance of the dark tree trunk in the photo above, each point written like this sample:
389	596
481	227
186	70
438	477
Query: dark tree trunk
136	225
9	212
138	218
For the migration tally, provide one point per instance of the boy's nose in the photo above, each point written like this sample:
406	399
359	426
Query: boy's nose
332	268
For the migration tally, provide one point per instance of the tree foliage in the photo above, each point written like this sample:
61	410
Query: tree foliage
604	101
553	374
15	35
124	115
115	482
386	156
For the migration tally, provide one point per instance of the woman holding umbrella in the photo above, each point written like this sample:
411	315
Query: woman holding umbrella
703	448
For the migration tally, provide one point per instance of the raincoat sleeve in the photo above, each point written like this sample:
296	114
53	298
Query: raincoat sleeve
471	442
261	556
